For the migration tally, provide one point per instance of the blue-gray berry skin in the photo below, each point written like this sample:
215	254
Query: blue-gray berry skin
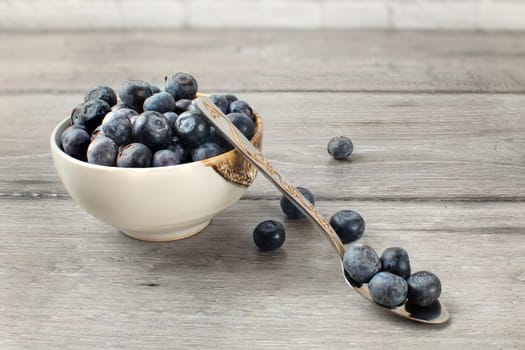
205	151
121	106
161	102
152	129
182	86
171	117
176	146
340	147
217	138
240	106
388	289
348	224
166	157
424	288
269	235
101	92
102	151
192	128
75	142
97	132
361	262
182	105
155	89
221	102
230	98
133	93
90	114
290	210
117	126
243	123
134	155
395	260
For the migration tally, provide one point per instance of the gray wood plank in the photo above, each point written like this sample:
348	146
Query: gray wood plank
267	60
69	281
407	146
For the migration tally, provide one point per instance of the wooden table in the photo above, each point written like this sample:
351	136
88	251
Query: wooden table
438	124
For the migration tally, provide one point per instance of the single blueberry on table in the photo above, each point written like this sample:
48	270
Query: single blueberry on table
166	157
243	123
152	129
221	102
75	142
348	224
102	151
205	151
395	260
192	128
240	106
424	288
101	92
90	114
182	105
161	102
340	147
181	86
117	126
388	289
361	262
230	98
134	155
133	93
290	210
269	235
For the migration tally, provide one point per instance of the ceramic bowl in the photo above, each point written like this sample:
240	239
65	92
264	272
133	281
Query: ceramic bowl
156	204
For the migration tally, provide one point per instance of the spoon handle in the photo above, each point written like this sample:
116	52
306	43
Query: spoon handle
241	143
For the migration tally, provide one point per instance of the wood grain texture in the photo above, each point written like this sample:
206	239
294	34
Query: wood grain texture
407	146
267	60
69	281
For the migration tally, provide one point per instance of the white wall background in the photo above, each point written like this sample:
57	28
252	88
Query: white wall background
298	14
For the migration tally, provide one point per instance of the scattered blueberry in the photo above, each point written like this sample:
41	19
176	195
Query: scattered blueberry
182	86
240	106
395	260
192	128
290	210
166	157
90	114
101	92
230	98
75	142
269	235
182	105
348	225
133	93
388	289
117	126
243	123
205	151
340	147
424	288
221	102
361	262
152	129
161	102
134	155
102	151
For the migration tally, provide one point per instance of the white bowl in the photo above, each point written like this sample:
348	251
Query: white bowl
156	204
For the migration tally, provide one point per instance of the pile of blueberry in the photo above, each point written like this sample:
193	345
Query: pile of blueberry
149	127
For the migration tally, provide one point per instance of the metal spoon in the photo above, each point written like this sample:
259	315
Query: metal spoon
434	314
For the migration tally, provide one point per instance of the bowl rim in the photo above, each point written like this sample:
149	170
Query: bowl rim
56	149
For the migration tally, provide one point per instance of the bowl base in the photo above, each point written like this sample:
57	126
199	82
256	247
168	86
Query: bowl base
182	233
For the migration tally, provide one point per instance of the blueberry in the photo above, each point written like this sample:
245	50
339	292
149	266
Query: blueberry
424	288
205	151
117	126
120	106
348	225
221	102
192	128
340	147
230	98
243	123
102	151
166	157
240	106
101	92
155	89
133	118
161	102
152	129
395	260
290	210
90	114
134	155
269	235
178	148
171	117
182	86
97	132
217	138
388	289
361	262
75	142
182	105
133	93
